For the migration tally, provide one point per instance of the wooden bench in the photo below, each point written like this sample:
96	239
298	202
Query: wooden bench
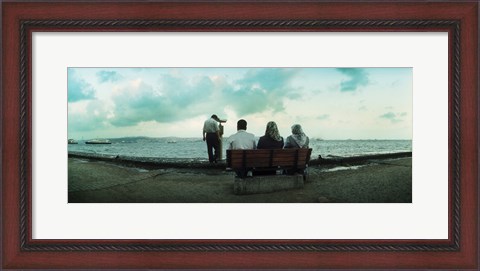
290	161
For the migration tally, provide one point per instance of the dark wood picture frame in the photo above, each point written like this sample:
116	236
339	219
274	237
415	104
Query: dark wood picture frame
20	19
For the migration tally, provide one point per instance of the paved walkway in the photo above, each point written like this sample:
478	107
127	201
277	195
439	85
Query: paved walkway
103	175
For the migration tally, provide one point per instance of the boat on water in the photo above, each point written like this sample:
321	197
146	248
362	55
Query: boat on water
72	141
98	141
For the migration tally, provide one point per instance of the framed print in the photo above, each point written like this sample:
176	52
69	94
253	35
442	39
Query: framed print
117	116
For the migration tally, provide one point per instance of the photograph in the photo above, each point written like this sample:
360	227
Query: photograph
316	135
239	134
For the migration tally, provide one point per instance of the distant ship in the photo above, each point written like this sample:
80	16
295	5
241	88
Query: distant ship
72	141
98	141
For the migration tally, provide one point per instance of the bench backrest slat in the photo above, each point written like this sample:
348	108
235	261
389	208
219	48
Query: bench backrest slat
284	158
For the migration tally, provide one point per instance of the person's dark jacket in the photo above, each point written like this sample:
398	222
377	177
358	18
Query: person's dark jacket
266	142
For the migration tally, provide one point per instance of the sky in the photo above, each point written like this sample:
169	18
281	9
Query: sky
329	103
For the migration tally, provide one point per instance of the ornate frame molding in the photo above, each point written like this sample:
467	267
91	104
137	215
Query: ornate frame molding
235	25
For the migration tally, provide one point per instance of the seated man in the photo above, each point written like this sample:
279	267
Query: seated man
242	140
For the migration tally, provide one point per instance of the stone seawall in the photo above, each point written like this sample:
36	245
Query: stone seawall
158	162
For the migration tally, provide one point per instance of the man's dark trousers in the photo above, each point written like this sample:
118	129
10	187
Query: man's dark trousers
212	143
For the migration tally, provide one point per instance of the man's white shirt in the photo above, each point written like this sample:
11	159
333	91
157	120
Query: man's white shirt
241	140
210	126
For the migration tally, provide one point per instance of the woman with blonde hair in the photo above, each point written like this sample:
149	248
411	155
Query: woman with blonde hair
271	139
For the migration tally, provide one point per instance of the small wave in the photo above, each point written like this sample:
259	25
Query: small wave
341	168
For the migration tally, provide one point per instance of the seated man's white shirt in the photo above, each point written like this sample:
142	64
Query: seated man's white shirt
241	140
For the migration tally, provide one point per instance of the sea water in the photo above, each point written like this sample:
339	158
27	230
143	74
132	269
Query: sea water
197	148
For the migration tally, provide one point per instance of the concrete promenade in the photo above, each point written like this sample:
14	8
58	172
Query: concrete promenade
96	181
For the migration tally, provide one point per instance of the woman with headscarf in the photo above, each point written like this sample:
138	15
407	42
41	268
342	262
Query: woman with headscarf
298	139
271	139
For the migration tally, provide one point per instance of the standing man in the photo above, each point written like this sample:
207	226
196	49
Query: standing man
211	134
242	139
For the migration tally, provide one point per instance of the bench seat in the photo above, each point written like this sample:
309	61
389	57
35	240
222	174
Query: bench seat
290	161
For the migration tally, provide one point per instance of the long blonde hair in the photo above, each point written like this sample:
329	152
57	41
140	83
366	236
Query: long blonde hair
272	131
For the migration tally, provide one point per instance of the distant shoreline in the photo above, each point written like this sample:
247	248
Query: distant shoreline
119	139
155	162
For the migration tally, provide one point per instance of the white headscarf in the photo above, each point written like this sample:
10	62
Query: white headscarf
298	135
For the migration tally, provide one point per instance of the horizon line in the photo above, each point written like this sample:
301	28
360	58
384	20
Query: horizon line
198	137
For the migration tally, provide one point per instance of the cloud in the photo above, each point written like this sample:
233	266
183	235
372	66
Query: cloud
394	118
172	97
323	117
261	90
357	77
173	100
94	117
108	76
362	108
177	97
78	89
396	83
